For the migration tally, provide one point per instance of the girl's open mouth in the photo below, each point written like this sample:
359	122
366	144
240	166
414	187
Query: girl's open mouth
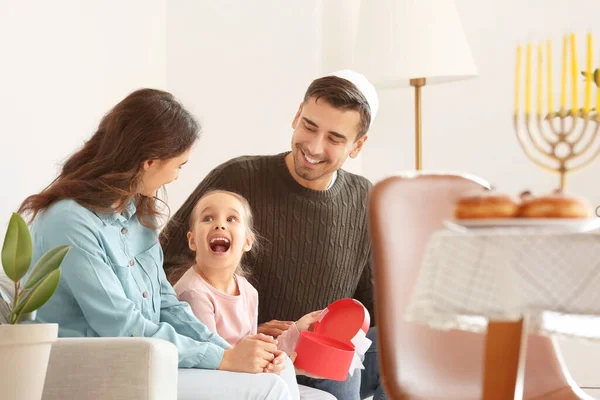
219	244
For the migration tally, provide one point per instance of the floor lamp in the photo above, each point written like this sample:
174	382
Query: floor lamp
403	43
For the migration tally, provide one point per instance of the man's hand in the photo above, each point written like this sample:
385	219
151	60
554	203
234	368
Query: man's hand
304	323
274	328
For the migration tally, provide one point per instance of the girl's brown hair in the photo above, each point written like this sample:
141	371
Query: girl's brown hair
105	173
188	260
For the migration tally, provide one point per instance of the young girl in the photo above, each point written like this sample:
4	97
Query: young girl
220	234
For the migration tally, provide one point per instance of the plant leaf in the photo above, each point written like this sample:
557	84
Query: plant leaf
46	264
4	311
6	296
17	249
37	296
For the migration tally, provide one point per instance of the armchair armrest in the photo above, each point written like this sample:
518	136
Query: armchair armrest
112	368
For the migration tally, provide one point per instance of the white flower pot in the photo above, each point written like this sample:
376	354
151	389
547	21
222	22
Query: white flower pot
24	354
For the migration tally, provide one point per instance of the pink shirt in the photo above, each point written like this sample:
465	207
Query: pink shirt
231	317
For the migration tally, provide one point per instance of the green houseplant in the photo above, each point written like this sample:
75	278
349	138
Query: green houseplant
16	260
25	346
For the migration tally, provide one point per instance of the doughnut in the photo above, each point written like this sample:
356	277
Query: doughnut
555	205
485	204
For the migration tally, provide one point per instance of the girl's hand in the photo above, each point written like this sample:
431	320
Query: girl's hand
252	354
277	365
306	322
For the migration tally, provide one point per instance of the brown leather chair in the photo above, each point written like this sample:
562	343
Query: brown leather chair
418	362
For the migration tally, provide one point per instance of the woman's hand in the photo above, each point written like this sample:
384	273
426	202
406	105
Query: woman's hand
252	354
304	323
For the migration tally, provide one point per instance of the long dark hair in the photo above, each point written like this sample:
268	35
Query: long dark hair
146	125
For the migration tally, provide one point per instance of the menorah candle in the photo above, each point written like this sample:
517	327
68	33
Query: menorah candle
563	83
574	73
528	81
589	76
517	79
539	81
549	62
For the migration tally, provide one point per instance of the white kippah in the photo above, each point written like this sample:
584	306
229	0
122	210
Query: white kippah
365	87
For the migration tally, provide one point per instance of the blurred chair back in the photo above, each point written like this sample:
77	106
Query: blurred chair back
418	362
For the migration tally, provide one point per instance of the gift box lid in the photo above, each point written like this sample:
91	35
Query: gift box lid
343	319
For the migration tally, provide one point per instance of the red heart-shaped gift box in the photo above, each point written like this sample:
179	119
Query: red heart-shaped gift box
327	352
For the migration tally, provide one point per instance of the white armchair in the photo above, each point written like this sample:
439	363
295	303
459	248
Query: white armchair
112	368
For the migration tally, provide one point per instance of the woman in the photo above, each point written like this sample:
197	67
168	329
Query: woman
104	205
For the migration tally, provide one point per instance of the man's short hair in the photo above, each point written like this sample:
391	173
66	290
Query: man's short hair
342	94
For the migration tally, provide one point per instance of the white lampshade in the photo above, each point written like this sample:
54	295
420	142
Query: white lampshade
399	40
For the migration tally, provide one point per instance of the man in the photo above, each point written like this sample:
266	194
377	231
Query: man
311	216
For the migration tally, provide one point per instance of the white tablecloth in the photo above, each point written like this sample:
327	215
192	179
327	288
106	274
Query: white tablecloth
551	278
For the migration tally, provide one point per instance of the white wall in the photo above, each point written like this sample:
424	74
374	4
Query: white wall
467	126
242	67
63	64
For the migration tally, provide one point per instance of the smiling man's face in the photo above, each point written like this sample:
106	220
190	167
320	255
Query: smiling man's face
324	137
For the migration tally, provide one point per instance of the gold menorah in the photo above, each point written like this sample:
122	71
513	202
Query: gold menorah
562	139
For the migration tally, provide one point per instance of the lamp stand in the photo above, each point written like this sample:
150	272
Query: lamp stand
418	83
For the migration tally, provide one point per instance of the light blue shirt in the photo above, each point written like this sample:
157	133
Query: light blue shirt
113	283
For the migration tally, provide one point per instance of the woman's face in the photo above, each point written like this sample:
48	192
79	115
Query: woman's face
158	173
